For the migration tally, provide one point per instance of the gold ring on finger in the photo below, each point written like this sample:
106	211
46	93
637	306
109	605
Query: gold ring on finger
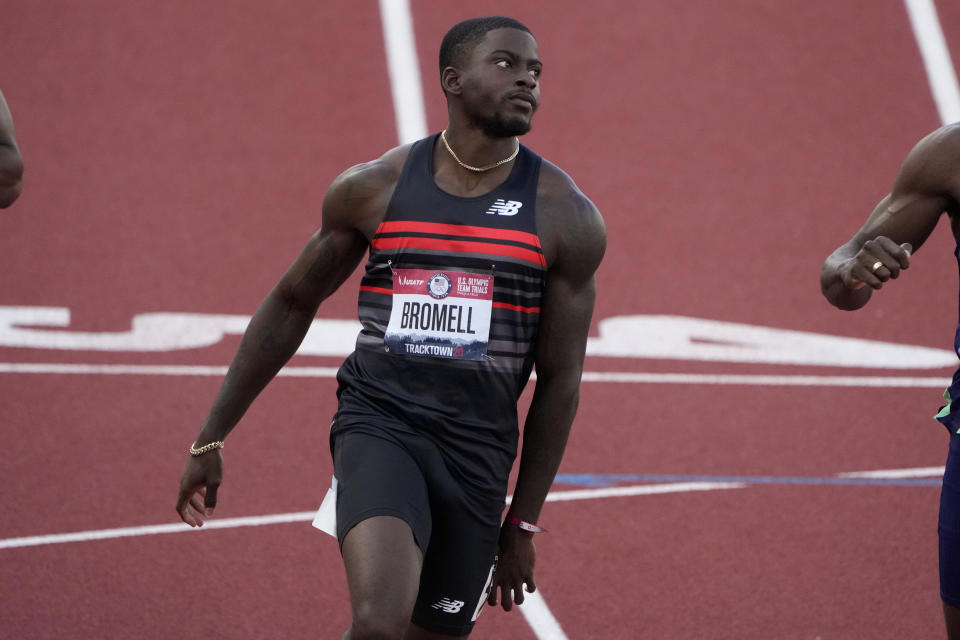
876	265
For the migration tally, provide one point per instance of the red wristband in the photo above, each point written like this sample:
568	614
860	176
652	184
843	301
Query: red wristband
526	526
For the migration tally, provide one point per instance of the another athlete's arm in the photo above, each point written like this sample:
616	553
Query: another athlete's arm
578	241
927	185
279	326
11	162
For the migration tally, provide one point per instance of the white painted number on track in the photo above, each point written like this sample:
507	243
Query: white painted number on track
655	337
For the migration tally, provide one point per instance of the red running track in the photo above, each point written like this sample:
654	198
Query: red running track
177	157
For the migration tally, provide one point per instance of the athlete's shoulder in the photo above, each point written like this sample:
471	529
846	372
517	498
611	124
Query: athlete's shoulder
362	192
569	222
560	195
942	144
931	166
946	136
380	173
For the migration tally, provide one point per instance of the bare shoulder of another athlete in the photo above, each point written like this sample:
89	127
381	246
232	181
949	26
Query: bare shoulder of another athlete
931	167
359	196
571	228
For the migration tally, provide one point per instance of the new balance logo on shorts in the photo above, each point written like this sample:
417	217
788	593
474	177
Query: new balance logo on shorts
449	606
505	207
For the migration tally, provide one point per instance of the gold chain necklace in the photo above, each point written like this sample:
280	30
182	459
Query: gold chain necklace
443	136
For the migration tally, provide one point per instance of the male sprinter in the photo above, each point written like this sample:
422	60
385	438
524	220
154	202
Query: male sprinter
481	264
11	162
927	185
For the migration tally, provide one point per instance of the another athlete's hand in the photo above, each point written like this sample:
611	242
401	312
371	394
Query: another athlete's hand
514	567
198	487
859	270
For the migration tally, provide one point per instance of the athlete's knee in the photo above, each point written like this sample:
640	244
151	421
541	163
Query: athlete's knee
373	623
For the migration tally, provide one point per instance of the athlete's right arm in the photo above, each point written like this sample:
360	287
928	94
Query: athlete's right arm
11	162
280	324
927	184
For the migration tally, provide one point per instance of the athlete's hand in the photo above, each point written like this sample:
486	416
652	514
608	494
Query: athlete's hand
198	487
514	567
859	271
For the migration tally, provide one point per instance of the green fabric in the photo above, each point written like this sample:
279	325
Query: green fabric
945	410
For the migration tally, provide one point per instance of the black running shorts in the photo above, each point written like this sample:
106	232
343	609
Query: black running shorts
394	471
949	526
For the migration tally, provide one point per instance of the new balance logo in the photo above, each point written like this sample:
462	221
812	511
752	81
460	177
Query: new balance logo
449	606
505	207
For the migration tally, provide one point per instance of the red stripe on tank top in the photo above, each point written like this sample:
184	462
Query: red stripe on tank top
407	226
460	246
513	307
389	292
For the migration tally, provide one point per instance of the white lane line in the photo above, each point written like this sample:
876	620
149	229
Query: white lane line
539	617
58	368
936	58
640	490
768	380
404	69
126	532
307	516
919	472
588	376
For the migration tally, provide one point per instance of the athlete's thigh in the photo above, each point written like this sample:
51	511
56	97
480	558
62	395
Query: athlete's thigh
378	476
383	565
382	511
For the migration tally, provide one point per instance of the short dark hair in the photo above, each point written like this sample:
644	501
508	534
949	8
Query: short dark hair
463	36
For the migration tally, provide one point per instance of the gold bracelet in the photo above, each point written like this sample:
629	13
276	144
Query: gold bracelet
199	451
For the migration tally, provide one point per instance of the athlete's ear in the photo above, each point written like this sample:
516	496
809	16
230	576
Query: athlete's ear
450	80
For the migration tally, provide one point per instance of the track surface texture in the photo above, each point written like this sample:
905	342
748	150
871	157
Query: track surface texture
177	155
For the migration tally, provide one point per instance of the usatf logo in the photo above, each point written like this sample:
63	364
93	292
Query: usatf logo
409	282
449	606
505	207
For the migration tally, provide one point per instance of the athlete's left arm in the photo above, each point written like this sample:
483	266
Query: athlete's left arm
927	185
574	243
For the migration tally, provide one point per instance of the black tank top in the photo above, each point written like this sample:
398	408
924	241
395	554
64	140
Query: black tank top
449	306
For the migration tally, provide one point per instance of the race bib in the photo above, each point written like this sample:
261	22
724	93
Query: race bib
445	314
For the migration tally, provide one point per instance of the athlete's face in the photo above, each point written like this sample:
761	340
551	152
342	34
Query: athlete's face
501	83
